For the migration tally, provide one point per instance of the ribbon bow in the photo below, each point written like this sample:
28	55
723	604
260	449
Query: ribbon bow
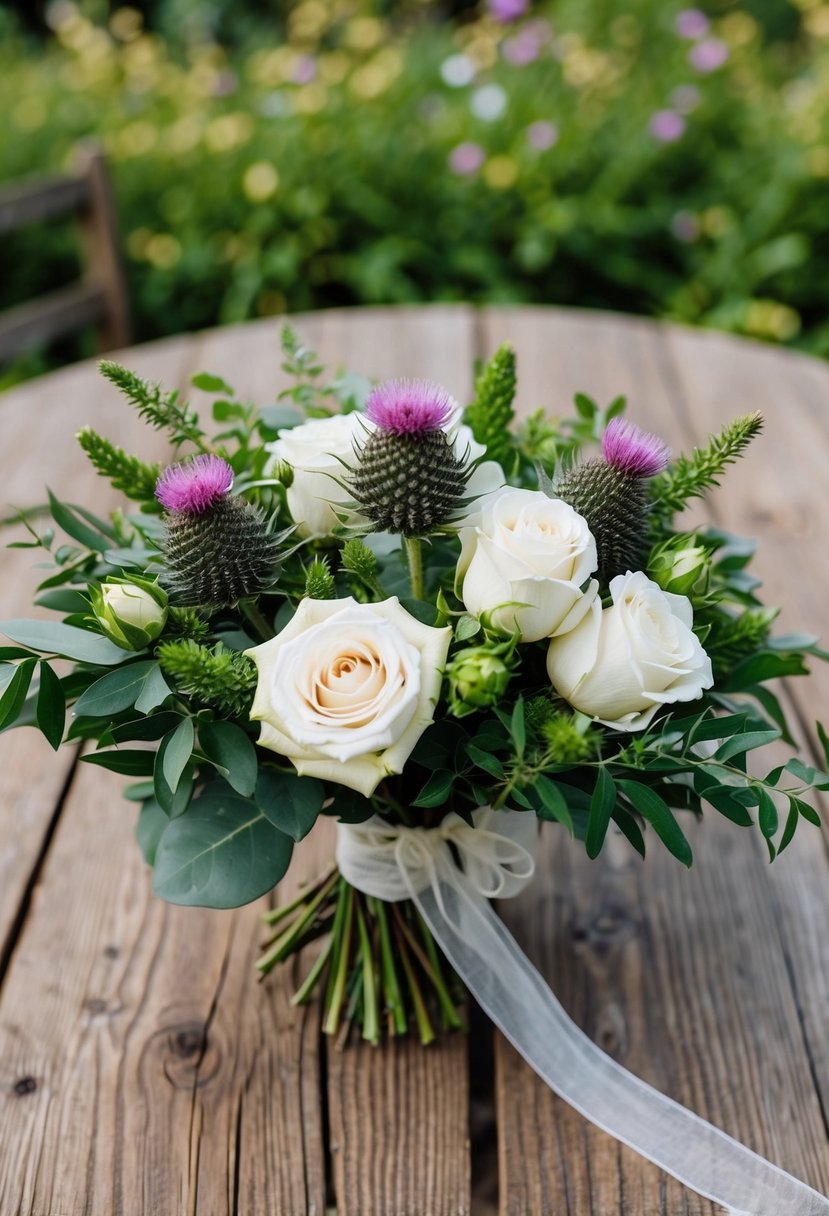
495	858
497	855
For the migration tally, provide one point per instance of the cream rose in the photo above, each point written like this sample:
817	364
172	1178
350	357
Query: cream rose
525	564
318	452
619	665
346	689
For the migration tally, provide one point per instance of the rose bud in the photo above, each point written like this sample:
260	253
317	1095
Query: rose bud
131	611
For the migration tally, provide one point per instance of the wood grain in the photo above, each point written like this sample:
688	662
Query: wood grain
660	966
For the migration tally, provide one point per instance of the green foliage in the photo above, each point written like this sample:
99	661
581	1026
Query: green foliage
691	476
187	623
319	582
127	473
159	409
491	413
216	676
289	213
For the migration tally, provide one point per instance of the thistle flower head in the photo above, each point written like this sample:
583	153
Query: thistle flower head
409	407
193	486
633	451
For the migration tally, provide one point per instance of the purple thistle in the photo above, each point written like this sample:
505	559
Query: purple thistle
634	451
409	407
195	485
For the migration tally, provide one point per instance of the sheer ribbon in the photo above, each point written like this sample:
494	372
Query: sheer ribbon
450	872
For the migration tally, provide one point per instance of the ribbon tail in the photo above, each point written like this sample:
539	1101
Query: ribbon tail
515	996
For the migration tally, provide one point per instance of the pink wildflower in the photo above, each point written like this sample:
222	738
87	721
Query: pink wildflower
466	159
194	485
692	23
633	451
409	407
508	10
666	126
708	55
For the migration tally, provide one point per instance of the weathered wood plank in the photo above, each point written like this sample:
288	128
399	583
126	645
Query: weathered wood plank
658	965
38	422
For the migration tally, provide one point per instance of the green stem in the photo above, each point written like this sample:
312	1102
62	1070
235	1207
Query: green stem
391	984
450	1011
371	1012
342	949
427	1034
254	617
435	977
414	553
286	941
304	991
277	914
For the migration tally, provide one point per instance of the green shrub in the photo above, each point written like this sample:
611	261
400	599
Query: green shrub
325	160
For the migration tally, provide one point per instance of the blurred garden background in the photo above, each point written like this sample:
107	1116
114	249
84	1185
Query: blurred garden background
271	156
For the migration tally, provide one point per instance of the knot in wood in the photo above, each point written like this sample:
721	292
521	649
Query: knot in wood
24	1086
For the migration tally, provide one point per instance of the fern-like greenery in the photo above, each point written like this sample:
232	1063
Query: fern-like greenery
490	414
732	638
215	676
187	623
127	473
690	476
161	410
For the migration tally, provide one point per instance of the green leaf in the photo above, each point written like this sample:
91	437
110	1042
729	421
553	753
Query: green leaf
155	692
227	746
768	819
746	742
808	812
629	828
116	691
65	518
174	752
824	741
14	696
490	764
789	830
723	799
211	384
436	790
65	640
51	706
553	803
221	854
290	803
149	827
602	802
145	729
466	628
63	599
653	807
129	761
518	728
805	772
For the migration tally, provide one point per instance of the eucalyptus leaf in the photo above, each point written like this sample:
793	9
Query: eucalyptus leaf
291	803
228	747
149	827
50	637
116	691
175	750
221	854
14	695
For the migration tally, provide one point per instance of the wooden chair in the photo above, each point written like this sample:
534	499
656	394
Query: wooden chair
99	297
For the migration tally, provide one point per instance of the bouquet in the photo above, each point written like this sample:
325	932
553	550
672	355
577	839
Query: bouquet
368	603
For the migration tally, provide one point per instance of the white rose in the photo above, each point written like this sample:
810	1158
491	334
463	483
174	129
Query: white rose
619	665
346	690
525	564
318	452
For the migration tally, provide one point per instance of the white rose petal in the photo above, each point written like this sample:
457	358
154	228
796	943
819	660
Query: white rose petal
619	665
316	451
525	562
347	689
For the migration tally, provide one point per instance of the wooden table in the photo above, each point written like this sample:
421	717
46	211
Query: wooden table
142	1070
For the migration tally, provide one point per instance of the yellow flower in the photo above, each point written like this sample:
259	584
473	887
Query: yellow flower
260	181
